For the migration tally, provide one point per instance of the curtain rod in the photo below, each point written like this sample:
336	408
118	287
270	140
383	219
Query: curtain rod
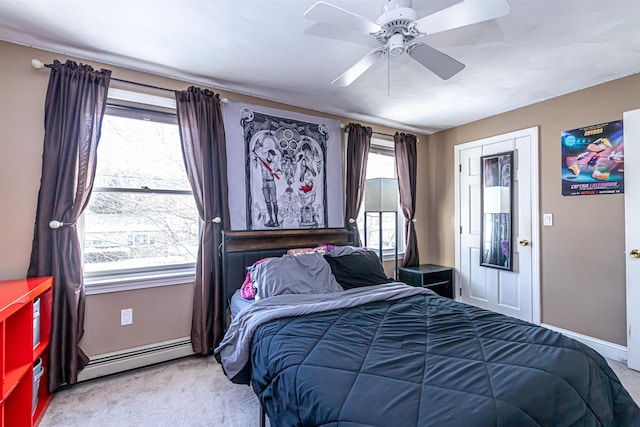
392	136
343	126
37	64
382	133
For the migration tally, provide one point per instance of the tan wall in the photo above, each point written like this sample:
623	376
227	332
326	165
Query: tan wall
159	313
582	254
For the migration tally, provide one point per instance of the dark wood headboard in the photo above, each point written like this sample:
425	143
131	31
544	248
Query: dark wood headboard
240	249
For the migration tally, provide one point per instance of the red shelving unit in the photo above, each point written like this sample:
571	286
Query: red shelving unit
17	352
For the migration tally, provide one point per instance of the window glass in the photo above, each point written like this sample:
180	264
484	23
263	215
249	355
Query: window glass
381	163
139	152
142	214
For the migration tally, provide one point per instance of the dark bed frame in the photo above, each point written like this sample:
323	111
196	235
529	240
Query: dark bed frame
240	249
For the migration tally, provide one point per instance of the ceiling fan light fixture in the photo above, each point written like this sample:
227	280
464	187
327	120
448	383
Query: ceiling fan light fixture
396	45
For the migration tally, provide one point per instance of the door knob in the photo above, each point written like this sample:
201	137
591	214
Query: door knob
524	242
634	253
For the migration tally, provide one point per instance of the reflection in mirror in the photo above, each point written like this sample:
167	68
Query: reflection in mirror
496	202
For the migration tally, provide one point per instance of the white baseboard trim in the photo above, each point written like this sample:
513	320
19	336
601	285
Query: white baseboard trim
137	357
605	348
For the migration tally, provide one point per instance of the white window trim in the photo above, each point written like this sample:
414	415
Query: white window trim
388	255
141	98
107	283
383	143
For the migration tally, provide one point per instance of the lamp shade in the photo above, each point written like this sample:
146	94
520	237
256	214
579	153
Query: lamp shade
381	195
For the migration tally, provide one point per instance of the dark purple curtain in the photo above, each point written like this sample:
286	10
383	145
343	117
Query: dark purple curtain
407	163
74	108
205	157
358	144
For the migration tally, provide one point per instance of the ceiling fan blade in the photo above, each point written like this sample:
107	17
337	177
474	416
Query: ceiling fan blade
440	63
360	67
334	15
461	14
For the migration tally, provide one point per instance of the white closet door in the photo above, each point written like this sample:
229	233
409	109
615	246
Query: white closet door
631	126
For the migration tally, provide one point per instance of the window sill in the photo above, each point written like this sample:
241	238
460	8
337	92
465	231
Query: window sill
390	256
127	282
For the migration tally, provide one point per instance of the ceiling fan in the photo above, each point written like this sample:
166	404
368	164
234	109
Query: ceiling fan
398	27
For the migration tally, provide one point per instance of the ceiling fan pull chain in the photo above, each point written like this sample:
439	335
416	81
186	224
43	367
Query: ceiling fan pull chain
388	76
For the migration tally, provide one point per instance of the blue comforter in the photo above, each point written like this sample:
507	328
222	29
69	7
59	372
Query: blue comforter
424	360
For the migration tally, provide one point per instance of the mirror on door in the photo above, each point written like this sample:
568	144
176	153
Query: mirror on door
496	200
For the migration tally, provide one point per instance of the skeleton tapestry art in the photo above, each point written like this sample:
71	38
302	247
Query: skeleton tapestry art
285	157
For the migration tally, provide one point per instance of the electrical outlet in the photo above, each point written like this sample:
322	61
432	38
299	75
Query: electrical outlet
126	316
547	219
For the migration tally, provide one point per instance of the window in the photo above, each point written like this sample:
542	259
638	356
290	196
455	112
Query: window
142	216
381	163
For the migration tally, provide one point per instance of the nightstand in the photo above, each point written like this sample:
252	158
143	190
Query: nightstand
435	277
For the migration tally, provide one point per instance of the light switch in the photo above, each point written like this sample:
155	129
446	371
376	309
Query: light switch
547	219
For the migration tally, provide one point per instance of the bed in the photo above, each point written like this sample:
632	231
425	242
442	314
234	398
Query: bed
388	354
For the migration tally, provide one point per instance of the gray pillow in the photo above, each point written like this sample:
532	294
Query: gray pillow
300	274
345	250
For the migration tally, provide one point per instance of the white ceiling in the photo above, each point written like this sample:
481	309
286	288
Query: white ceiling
542	49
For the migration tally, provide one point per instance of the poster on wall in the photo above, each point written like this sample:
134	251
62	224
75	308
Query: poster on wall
284	169
593	160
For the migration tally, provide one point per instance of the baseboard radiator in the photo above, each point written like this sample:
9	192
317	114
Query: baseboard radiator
137	357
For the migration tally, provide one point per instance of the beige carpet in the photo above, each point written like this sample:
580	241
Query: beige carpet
188	392
628	377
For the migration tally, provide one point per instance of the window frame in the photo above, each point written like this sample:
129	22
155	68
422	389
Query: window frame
123	279
386	148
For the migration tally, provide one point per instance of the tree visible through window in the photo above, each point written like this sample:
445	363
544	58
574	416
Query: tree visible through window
141	213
